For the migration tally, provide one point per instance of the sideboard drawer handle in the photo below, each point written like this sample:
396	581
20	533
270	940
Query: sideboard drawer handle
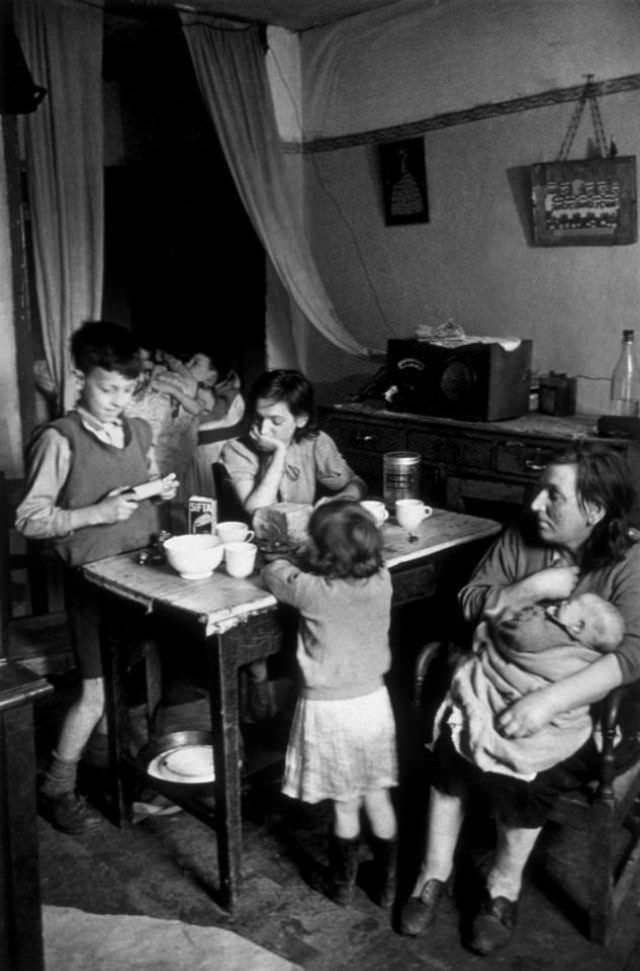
534	466
363	439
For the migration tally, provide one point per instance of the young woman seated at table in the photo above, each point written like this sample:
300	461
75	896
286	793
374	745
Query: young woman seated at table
285	458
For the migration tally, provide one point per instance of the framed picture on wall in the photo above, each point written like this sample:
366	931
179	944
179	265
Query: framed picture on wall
404	182
591	202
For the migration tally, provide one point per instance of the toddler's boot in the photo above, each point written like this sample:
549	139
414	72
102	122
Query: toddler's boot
343	862
385	857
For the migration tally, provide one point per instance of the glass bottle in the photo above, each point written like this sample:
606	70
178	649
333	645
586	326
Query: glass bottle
625	380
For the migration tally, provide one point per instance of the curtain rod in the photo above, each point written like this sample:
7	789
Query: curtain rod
629	82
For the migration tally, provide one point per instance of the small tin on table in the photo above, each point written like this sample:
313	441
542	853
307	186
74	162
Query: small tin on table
202	514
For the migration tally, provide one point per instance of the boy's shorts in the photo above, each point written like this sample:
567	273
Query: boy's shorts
83	602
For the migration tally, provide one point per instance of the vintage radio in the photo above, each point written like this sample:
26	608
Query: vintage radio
479	380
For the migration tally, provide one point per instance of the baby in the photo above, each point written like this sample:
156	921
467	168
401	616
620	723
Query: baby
515	652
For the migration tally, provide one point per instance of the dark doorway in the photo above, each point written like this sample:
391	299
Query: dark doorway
183	265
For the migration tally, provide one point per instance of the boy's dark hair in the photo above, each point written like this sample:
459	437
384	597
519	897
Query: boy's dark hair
345	541
294	389
99	343
603	477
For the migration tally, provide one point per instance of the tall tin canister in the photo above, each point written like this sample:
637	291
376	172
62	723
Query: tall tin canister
401	476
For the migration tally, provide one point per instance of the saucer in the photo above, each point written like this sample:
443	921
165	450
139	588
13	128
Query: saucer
196	576
191	764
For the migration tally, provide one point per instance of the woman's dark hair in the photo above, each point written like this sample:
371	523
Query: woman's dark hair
345	541
603	478
294	389
99	343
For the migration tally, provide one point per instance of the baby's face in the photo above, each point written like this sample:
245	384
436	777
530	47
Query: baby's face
580	618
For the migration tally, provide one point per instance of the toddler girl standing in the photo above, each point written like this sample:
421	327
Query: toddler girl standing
342	743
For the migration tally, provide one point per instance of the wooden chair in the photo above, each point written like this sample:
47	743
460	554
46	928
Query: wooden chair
229	506
33	628
603	810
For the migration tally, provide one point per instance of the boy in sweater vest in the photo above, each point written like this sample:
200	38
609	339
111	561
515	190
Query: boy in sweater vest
78	470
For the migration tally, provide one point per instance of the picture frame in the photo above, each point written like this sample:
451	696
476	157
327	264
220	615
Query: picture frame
404	182
588	202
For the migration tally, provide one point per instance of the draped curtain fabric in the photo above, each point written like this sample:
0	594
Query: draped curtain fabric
62	43
231	74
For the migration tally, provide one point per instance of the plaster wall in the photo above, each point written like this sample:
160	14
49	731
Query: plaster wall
474	259
10	426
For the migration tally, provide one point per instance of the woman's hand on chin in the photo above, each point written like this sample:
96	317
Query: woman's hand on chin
265	444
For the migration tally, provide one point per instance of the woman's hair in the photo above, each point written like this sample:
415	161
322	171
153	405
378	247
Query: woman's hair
604	479
99	343
345	541
294	389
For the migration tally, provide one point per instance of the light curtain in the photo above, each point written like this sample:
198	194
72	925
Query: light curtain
62	43
230	70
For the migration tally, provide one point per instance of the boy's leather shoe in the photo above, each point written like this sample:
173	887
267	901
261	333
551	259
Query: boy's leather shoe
418	912
69	813
494	924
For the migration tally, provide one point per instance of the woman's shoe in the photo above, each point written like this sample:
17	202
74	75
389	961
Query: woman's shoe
494	924
418	912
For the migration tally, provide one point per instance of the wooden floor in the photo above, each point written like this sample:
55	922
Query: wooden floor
165	867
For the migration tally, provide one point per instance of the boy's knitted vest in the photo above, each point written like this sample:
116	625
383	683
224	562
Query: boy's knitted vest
96	469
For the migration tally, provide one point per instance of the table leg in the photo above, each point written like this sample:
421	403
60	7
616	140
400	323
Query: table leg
113	668
225	725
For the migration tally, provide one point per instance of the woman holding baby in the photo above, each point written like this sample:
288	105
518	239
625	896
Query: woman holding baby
579	540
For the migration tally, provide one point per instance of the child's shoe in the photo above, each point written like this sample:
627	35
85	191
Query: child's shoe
343	869
68	812
385	856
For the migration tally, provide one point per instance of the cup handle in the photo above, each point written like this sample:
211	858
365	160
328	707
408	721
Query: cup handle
249	536
427	512
385	515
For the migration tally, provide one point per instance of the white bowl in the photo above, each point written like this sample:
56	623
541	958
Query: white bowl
194	555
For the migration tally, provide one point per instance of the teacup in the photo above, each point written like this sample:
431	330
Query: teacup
376	509
240	558
411	512
234	532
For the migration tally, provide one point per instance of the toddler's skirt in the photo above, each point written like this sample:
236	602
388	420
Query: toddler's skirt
341	749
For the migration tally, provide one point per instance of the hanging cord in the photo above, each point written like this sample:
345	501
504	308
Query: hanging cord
587	94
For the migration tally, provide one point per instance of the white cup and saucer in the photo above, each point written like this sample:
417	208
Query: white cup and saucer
240	558
230	531
376	509
410	513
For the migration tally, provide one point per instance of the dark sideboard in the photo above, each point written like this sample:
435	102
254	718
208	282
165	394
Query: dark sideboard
481	468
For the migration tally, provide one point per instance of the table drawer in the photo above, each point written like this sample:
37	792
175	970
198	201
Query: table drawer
366	436
525	459
413	583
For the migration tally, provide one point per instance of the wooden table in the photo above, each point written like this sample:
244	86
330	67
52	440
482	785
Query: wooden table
237	622
20	916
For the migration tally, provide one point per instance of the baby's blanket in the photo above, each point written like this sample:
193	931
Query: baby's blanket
498	673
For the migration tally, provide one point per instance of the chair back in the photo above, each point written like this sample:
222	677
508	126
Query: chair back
33	623
229	506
